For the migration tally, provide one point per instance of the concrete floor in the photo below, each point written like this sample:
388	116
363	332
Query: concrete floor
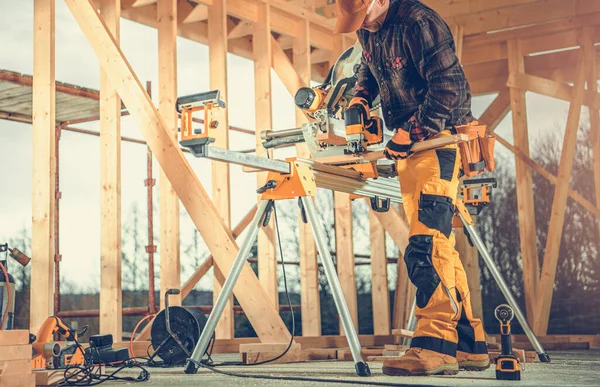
568	368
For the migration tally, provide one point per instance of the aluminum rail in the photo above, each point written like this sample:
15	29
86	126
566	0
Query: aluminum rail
350	181
242	159
326	176
271	134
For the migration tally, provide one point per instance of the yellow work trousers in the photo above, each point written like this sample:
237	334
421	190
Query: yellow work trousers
429	182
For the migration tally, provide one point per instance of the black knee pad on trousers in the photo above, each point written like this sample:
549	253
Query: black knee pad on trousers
420	267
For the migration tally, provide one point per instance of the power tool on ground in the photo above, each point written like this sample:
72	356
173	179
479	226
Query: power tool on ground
507	364
8	285
51	354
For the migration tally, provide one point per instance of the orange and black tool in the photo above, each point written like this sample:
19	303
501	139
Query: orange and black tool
507	364
190	104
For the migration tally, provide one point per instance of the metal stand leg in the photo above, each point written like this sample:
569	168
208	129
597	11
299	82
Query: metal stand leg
192	364
411	324
362	369
543	356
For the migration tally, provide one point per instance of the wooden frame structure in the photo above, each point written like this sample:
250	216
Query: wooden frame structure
530	50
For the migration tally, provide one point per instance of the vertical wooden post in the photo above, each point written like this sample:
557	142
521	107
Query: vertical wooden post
527	227
458	31
404	296
468	254
561	194
170	265
217	47
111	306
44	165
267	258
592	86
310	299
380	292
345	253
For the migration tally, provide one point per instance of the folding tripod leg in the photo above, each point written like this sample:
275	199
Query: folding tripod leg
543	356
411	324
209	329
362	369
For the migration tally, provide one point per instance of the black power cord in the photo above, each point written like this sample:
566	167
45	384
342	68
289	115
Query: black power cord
287	294
90	374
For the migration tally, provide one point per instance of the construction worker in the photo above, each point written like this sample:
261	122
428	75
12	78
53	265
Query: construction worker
409	60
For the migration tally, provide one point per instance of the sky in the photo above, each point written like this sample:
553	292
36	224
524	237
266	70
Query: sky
77	64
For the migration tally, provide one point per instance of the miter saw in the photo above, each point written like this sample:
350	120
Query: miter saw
331	135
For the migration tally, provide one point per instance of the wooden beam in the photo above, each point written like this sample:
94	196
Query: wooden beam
285	19
547	175
395	225
217	48
197	32
219	239
267	257
44	165
552	88
169	245
310	298
463	7
469	256
319	56
560	25
243	28
497	111
141	3
111	319
592	87
523	15
285	71
380	292
458	32
404	295
345	253
195	14
202	270
525	202
559	205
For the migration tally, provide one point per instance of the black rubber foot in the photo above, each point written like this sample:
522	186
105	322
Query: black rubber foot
544	358
190	368
508	375
362	369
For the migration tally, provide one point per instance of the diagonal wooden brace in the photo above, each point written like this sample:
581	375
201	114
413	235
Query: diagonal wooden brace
252	297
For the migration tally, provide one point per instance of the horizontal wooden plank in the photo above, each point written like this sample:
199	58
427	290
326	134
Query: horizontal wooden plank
524	33
260	347
292	356
15	367
16	337
15	352
232	345
550	88
24	380
448	8
48	377
402	333
523	15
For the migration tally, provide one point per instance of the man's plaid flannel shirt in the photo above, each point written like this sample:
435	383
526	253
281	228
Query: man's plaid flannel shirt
411	62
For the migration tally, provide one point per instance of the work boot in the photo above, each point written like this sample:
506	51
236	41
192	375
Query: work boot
473	361
421	362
